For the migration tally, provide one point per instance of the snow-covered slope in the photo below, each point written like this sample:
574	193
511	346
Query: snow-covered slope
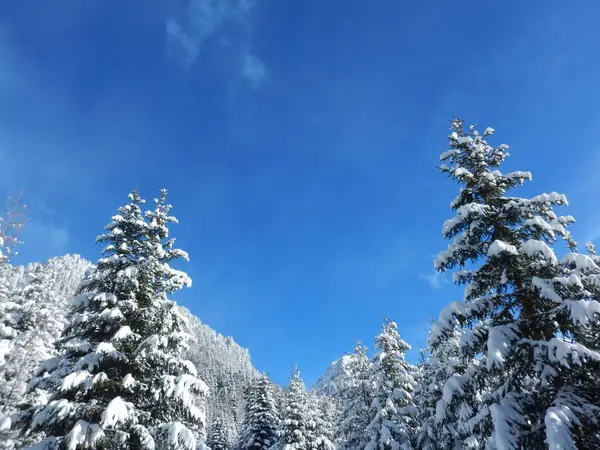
225	367
335	378
34	301
221	363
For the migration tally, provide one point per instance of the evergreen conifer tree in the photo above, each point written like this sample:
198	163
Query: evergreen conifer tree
321	413
588	329
37	293
33	326
11	224
530	385
392	412
357	398
16	215
217	437
10	312
118	381
438	364
294	427
259	428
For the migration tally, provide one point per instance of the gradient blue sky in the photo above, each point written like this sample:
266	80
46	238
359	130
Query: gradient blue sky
298	140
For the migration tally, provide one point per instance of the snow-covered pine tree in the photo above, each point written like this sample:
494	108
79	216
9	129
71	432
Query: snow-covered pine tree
439	363
588	331
259	428
178	404
357	398
118	380
224	404
312	417
10	311
532	386
392	412
15	312
279	395
3	256
33	325
294	426
41	293
321	416
225	367
11	224
568	396
15	216
217	436
7	306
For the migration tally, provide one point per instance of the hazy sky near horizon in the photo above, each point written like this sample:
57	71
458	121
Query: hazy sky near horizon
299	142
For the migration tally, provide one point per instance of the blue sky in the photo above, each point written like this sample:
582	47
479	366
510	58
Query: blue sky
299	141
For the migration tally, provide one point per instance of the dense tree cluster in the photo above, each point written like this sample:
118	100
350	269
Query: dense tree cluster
99	357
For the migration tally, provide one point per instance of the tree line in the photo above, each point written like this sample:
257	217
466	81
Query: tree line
513	366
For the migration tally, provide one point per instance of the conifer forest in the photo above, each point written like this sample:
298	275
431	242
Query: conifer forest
97	355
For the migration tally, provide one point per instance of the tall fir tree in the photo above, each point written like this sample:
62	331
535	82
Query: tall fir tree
392	412
438	365
39	294
15	363
588	330
11	311
12	222
259	428
321	429
294	427
531	383
357	398
217	436
119	381
35	329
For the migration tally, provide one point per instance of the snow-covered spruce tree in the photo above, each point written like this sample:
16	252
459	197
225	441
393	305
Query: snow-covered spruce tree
118	381
11	319
11	224
357	398
226	368
259	428
321	431
34	328
532	385
439	363
392	412
217	436
224	402
312	417
42	293
15	216
294	427
588	331
10	311
571	360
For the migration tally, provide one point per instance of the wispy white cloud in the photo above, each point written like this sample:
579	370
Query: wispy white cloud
204	20
254	71
435	279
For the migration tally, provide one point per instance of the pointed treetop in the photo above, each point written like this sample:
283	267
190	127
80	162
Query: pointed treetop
16	215
136	198
120	364
591	248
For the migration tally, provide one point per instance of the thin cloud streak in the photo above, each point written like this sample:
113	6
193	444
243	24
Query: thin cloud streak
435	279
202	20
254	71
